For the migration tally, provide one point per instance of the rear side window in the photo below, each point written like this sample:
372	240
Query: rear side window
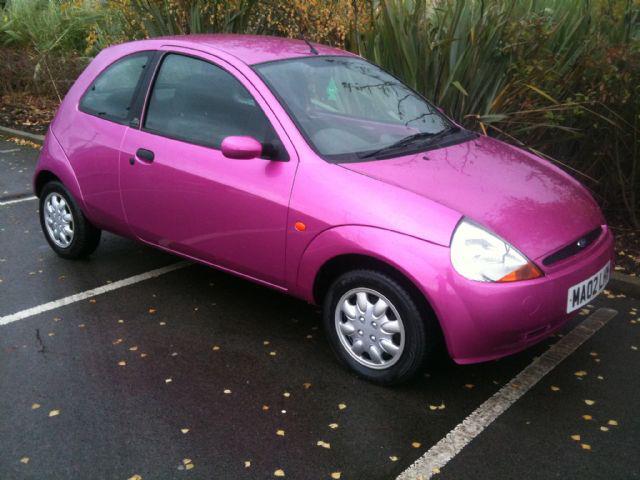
112	94
198	102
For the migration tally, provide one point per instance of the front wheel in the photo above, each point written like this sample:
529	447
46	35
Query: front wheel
376	328
65	227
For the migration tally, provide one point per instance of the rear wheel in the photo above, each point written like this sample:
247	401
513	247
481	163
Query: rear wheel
376	328
65	227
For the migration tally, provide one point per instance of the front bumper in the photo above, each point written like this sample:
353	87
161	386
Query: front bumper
485	321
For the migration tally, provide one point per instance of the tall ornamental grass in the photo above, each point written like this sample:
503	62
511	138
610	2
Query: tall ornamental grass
561	77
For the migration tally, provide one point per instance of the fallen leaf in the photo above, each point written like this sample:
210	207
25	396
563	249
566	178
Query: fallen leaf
142	355
54	413
227	391
116	342
186	461
122	363
604	429
306	386
554	388
587	417
189	466
469	385
580	373
162	324
35	406
336	475
589	402
168	380
393	458
266	342
152	311
24	460
265	408
333	426
575	437
613	423
585	446
247	463
286	394
435	470
133	349
135	477
416	444
323	444
280	433
120	321
279	473
215	348
273	354
342	406
184	430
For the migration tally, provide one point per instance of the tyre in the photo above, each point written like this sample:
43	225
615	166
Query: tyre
375	327
65	227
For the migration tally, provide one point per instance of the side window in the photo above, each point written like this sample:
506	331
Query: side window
198	102
111	95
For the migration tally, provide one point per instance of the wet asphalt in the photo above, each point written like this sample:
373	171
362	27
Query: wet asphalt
200	375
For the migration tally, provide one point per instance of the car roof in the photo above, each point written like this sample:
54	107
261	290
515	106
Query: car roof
250	49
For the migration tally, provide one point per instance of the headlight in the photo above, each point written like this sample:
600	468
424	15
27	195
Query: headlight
479	255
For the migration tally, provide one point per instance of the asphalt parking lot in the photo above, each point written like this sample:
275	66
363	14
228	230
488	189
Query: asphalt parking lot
195	374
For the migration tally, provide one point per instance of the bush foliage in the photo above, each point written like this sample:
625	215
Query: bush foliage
561	77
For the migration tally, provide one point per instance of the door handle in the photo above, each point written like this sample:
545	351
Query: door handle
145	155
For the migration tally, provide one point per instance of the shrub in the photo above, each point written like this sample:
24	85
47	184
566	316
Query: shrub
559	76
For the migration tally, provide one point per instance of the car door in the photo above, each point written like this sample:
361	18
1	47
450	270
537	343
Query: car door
180	193
92	141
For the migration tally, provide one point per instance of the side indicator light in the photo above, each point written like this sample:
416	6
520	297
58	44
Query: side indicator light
299	226
526	272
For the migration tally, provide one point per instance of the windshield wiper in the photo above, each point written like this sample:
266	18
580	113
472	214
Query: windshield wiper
403	142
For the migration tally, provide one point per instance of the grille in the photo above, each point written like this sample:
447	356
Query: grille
574	247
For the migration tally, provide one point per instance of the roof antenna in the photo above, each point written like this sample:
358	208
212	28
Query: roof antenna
311	47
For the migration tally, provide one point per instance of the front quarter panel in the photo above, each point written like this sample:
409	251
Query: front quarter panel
326	196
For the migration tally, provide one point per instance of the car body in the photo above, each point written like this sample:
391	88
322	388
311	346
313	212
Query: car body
296	222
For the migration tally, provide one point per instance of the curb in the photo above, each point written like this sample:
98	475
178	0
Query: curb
19	133
626	284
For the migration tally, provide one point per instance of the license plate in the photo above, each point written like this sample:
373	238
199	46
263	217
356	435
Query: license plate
582	293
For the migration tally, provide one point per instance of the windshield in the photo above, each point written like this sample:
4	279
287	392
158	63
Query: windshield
347	107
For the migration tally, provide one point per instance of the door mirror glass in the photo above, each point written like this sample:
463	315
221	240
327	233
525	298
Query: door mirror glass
242	148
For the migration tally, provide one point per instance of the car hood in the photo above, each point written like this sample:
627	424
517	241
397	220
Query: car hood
530	203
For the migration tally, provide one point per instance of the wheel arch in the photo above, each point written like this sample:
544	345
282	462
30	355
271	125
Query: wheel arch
413	263
42	178
340	264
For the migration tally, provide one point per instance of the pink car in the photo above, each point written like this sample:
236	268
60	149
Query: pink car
310	170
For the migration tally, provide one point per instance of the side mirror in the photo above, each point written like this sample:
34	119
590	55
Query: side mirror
241	148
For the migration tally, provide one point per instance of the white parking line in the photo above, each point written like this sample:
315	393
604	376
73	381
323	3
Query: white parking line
447	448
109	287
17	200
